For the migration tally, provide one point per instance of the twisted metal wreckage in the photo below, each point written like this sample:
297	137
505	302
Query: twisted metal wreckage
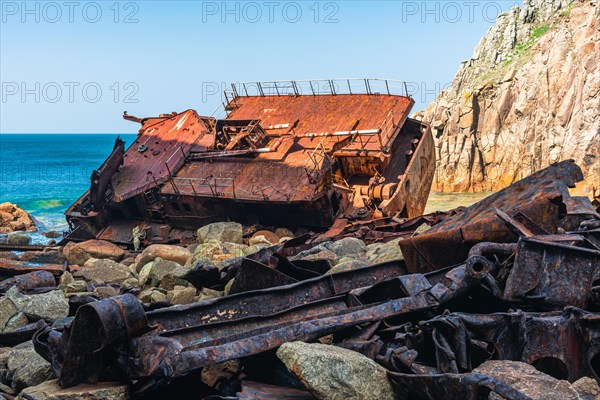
293	153
513	277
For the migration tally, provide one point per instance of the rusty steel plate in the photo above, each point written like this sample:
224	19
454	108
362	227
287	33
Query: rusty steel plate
539	196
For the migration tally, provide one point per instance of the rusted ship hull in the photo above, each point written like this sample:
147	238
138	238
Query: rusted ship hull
285	159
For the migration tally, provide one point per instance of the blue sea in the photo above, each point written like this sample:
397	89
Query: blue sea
45	173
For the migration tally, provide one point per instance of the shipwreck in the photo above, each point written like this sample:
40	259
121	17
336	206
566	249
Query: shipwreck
294	154
510	282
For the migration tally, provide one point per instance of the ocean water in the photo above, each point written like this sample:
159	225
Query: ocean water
45	173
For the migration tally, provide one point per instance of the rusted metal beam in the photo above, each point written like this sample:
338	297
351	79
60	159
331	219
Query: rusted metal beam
267	301
29	281
172	342
12	268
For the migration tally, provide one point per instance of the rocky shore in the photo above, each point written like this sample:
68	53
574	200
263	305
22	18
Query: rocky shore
332	319
100	270
13	218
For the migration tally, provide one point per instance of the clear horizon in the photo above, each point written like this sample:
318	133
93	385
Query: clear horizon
75	68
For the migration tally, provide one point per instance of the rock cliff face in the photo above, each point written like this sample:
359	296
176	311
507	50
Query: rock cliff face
529	96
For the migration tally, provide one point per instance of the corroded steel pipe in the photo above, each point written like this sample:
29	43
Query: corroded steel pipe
491	248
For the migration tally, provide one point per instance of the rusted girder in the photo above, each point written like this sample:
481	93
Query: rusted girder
172	342
26	282
10	268
23	334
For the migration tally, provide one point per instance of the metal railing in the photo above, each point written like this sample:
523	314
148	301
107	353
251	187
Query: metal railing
224	187
218	187
317	87
314	163
388	126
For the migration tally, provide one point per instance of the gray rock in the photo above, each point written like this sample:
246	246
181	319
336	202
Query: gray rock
51	390
533	383
421	228
18	239
377	253
65	279
151	295
325	246
161	269
347	266
207	251
144	296
335	373
6	390
170	281
222	232
76	287
131	282
7	310
17	321
349	246
157	296
182	295
207	293
26	367
587	388
104	271
4	352
49	306
104	292
238	250
145	273
326	255
255	248
52	234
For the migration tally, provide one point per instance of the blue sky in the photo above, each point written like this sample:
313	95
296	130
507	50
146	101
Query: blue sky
74	67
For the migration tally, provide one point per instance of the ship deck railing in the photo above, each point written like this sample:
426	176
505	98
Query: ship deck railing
224	187
317	87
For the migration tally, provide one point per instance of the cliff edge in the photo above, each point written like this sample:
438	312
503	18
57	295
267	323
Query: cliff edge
528	97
